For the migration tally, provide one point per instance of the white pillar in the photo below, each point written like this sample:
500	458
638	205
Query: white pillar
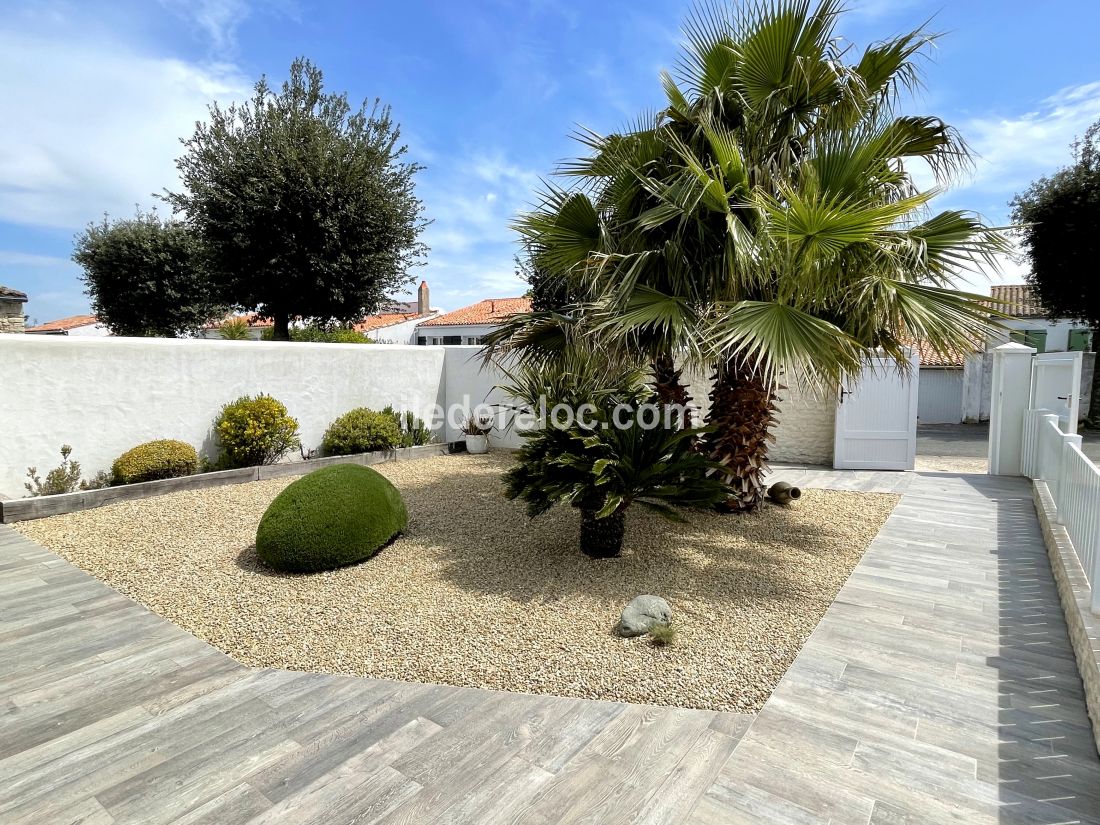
1011	397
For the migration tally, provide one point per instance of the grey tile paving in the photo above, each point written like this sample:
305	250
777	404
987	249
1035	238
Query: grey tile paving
110	714
939	687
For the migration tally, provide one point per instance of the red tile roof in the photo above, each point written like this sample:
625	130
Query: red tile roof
930	358
65	324
488	311
386	319
1015	299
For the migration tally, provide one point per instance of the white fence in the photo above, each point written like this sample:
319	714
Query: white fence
1055	457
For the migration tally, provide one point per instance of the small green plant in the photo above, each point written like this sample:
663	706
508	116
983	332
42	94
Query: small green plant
477	425
414	432
316	334
65	478
254	430
98	481
362	430
153	460
662	635
233	329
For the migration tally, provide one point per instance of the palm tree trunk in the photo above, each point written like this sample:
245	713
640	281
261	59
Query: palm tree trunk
667	381
602	538
742	408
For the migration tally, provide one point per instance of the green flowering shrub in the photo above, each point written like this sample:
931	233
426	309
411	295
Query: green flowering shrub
153	460
254	430
362	430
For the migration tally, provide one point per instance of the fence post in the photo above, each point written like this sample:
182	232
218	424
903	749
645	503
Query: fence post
1058	490
1094	582
1010	399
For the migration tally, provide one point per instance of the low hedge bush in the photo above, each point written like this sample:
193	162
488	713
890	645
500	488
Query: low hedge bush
362	430
331	518
254	430
163	458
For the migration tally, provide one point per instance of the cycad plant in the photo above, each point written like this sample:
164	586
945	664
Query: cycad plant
623	446
765	225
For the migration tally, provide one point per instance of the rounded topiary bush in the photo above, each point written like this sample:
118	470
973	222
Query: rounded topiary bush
330	518
163	458
362	430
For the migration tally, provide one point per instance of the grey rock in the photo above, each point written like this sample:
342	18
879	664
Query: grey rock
642	614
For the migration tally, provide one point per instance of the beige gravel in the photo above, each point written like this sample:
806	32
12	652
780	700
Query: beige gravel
476	594
950	464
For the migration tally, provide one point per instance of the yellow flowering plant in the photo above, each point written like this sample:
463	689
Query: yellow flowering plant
254	430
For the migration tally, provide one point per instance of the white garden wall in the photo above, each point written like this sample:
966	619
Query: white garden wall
105	395
806	421
807	426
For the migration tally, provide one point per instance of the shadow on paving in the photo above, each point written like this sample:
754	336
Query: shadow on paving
1047	769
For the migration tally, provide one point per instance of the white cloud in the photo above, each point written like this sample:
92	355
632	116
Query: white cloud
1012	151
92	126
15	258
472	201
218	20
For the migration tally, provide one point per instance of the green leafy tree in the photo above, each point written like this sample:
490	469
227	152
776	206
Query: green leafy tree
145	277
305	207
764	225
549	292
1059	218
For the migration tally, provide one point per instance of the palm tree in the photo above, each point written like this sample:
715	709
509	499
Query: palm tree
766	225
611	457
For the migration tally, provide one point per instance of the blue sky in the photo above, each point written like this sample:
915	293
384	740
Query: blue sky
96	95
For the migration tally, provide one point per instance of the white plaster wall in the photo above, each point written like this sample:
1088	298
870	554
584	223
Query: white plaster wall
463	330
105	395
807	424
974	388
469	383
806	421
1057	331
403	333
90	331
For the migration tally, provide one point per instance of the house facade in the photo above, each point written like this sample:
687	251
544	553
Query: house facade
78	325
395	326
1031	326
470	324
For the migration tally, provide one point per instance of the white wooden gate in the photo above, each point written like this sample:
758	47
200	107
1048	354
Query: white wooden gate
876	418
1056	386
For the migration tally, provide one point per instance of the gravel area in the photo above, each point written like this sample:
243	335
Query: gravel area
476	594
950	464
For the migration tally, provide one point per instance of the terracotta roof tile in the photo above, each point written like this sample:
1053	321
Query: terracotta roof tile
483	312
930	358
1015	299
386	319
64	324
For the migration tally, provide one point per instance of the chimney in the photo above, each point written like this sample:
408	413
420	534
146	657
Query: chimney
423	305
12	318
